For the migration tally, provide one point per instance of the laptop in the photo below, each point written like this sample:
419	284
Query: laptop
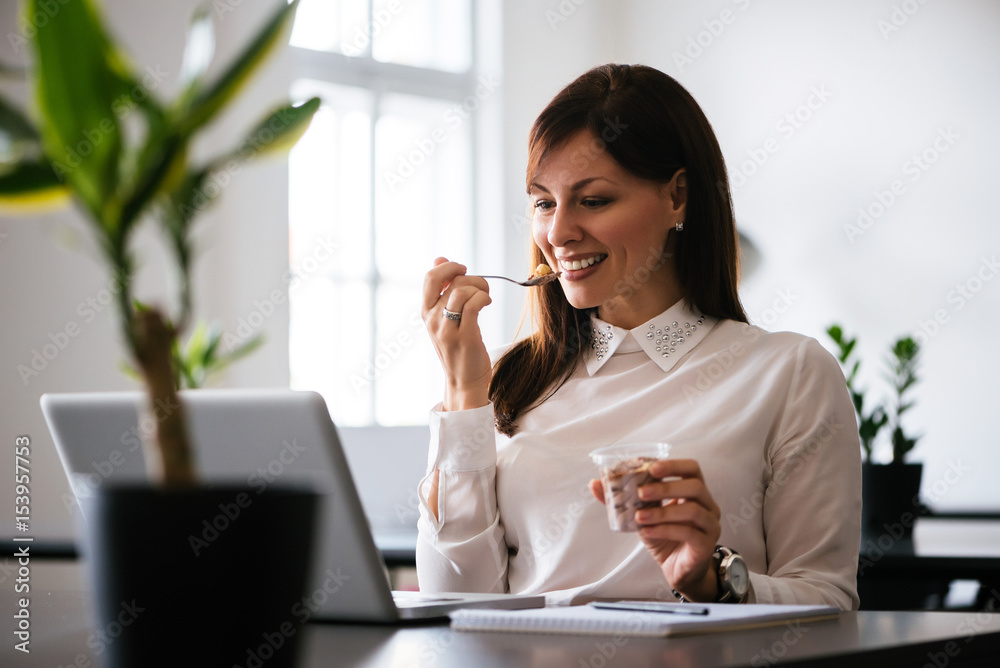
259	436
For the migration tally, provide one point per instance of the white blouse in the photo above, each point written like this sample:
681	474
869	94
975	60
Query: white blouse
766	415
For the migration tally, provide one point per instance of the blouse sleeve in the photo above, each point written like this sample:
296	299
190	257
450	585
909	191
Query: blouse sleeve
812	505
463	548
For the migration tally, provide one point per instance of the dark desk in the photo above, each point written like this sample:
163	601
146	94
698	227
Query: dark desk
897	574
61	627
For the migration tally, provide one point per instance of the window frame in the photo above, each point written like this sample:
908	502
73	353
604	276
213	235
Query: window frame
379	78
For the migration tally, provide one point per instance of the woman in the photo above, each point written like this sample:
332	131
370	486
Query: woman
642	338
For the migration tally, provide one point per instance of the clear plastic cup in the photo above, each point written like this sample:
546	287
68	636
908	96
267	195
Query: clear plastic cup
624	469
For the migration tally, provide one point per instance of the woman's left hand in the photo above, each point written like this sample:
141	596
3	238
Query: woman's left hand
681	534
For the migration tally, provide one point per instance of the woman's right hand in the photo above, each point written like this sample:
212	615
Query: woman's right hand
459	343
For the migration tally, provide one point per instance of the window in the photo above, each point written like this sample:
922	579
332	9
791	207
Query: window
384	181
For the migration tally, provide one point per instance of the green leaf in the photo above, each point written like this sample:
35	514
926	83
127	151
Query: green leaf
130	371
213	345
278	131
78	78
31	187
237	353
854	373
207	102
161	159
194	349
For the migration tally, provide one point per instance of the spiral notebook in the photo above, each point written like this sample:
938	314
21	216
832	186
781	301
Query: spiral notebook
589	620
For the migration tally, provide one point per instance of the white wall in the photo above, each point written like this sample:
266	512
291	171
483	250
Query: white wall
890	92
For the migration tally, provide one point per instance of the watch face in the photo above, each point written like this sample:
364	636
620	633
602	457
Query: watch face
739	577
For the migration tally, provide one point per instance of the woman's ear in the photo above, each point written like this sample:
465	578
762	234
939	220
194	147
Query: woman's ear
677	190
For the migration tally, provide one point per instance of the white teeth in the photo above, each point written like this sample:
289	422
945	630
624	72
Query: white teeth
581	264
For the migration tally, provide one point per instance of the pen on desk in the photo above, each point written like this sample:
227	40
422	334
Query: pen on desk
642	606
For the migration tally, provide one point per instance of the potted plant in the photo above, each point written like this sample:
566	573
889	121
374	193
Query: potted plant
179	558
891	491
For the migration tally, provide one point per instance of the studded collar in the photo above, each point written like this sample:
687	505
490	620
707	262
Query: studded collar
665	338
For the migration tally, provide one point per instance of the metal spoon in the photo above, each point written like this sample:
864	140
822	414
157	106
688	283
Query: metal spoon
531	282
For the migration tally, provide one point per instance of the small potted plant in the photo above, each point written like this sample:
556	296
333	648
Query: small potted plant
184	558
891	491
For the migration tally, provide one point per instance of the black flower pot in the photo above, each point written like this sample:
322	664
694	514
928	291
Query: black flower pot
890	503
204	576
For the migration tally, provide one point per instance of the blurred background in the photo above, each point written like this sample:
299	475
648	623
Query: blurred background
861	141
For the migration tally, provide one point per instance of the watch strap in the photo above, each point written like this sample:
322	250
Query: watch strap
726	594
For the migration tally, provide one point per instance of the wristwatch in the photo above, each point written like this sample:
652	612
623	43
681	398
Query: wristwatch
733	577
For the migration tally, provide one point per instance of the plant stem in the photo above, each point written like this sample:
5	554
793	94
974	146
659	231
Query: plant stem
154	339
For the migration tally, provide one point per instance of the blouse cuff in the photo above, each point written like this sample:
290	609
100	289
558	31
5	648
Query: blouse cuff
462	440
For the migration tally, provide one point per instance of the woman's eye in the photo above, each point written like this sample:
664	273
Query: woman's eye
543	205
595	202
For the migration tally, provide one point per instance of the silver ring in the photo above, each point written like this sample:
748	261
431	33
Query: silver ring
452	315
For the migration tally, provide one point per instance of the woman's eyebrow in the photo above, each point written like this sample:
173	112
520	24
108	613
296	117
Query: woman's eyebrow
535	185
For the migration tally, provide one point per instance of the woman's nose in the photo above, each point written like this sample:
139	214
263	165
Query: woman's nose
565	228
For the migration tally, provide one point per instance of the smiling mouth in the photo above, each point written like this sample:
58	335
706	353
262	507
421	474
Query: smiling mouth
574	265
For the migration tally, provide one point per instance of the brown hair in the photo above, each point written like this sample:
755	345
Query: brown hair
652	127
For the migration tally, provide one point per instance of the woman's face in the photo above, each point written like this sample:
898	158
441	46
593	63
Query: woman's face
607	231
